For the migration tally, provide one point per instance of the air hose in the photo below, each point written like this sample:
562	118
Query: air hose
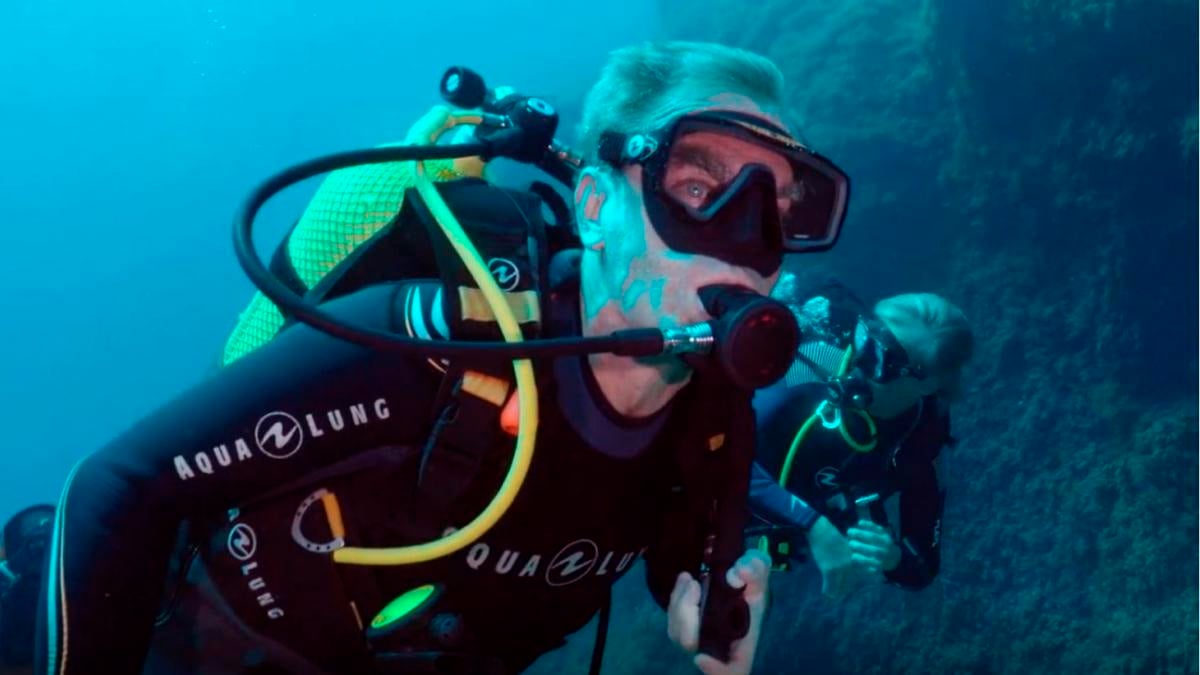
839	422
526	395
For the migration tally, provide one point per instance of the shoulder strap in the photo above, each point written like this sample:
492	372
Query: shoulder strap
507	229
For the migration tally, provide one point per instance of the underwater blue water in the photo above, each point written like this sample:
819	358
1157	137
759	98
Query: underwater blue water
1035	162
129	133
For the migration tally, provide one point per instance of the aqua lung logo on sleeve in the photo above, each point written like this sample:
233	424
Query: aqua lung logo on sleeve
279	435
575	561
505	272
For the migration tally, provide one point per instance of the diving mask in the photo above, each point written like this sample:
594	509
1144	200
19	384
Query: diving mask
703	197
880	356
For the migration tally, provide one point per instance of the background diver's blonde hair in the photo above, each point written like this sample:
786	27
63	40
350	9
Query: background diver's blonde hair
643	87
934	332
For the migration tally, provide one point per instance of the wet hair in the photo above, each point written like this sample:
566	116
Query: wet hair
934	332
644	87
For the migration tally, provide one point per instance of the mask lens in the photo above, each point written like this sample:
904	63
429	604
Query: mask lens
699	174
884	360
807	209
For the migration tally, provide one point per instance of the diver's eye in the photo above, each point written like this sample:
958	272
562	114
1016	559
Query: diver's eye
692	192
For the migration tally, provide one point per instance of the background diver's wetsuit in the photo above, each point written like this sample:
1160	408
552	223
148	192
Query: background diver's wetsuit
242	458
827	475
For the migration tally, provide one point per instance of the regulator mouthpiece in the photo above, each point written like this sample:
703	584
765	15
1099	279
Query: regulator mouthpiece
753	338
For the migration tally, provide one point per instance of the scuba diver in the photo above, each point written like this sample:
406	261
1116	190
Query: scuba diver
21	562
348	507
859	418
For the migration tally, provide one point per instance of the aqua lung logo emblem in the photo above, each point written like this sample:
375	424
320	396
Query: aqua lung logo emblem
278	435
827	477
242	543
572	563
505	272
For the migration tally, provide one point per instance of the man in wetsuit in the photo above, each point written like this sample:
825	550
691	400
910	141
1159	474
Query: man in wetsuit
309	446
849	443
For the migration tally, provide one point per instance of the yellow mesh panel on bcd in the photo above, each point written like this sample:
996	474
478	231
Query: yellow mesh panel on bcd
350	207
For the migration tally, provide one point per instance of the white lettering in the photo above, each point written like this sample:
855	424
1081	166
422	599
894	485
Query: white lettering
222	454
181	467
243	449
604	564
625	560
506	562
312	427
335	420
477	556
203	463
358	414
531	566
381	409
258	585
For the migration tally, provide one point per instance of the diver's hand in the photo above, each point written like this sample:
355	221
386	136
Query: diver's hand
841	571
683	614
873	546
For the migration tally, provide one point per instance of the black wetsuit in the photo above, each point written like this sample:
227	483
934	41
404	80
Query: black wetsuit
243	459
827	475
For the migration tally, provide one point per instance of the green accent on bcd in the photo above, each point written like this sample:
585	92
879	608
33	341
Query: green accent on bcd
402	606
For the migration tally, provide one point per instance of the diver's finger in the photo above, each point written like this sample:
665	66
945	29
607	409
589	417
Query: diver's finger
870	536
676	611
871	525
691	593
870	565
873	552
680	587
712	666
750	573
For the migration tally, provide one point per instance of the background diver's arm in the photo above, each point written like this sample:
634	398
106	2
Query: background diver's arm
920	527
267	419
774	504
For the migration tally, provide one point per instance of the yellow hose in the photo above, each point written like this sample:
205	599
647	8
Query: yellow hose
526	396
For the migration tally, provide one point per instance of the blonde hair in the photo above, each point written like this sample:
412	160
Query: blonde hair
644	87
934	332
